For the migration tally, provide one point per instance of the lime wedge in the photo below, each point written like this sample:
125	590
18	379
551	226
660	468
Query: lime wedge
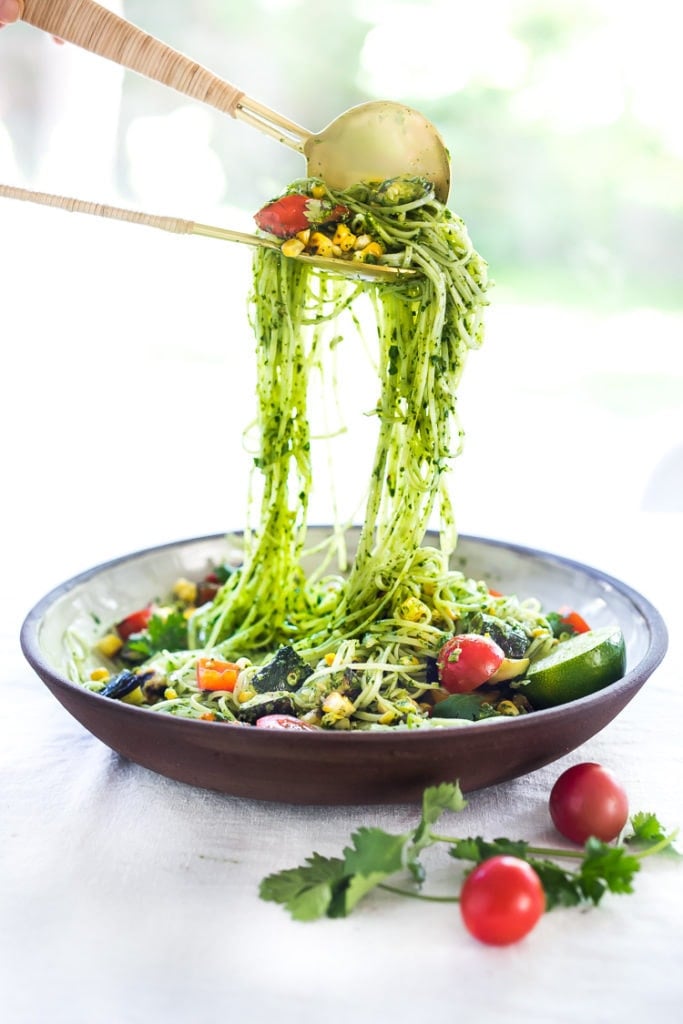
576	667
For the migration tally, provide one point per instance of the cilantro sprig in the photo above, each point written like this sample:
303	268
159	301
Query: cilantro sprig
333	886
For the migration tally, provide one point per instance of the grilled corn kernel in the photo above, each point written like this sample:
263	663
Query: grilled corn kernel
109	645
506	707
245	695
337	706
98	675
372	249
304	236
170	693
321	244
292	247
318	191
185	590
414	610
344	238
387	718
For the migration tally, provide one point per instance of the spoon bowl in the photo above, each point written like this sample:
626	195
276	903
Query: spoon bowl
370	142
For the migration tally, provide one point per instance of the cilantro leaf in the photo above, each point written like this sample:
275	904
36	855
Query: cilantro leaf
307	892
606	867
478	849
163	633
447	796
648	832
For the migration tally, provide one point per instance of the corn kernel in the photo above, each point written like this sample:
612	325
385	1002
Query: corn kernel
414	610
387	718
372	249
318	191
506	707
329	658
98	675
344	238
321	244
170	693
185	590
304	236
189	611
337	706
362	241
245	695
292	247
109	645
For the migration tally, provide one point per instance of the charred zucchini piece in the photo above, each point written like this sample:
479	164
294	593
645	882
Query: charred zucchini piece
286	671
265	704
124	683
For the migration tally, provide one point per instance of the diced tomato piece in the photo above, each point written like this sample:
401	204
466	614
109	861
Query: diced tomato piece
134	623
573	619
494	593
289	214
213	674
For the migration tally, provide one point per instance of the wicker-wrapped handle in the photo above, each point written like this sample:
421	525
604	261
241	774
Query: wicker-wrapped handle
94	28
176	225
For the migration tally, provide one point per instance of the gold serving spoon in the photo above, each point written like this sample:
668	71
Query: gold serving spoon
371	142
348	268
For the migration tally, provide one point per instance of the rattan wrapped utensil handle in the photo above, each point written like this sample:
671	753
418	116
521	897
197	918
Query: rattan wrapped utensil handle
94	28
176	225
347	268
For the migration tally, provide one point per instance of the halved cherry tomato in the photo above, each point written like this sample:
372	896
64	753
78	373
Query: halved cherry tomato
501	900
573	619
213	674
292	213
466	661
134	623
283	722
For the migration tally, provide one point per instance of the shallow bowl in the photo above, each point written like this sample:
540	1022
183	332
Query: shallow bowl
336	767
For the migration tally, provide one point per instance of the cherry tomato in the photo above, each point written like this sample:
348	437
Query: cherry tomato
501	900
283	722
586	801
466	661
134	623
213	674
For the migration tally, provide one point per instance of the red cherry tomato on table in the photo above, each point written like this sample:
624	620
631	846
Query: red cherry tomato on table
466	661
587	800
283	722
501	900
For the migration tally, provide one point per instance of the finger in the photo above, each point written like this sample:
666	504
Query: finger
10	10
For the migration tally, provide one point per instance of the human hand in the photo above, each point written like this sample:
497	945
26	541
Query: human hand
10	10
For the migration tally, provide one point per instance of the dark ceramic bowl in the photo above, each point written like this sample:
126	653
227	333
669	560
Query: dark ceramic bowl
336	767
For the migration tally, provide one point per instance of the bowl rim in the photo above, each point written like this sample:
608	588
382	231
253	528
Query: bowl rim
630	681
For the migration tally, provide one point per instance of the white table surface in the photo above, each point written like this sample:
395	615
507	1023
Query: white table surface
126	897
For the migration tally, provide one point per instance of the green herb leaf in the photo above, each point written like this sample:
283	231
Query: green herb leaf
649	832
606	867
163	633
307	892
478	849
